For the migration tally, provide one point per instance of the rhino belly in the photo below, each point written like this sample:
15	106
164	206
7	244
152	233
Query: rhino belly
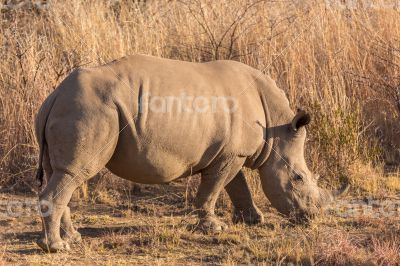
148	166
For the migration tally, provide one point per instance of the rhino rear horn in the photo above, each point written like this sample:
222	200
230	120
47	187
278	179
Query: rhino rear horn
301	119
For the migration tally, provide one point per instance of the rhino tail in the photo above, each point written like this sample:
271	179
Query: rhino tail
40	128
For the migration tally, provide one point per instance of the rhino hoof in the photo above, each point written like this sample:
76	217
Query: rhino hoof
54	246
211	224
249	218
74	237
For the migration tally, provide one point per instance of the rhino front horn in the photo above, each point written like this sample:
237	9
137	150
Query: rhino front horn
301	119
327	196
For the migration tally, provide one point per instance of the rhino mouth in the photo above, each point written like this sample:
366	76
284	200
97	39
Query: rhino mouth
326	197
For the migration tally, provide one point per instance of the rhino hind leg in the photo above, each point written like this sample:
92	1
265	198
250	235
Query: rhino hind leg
245	211
53	203
212	182
67	229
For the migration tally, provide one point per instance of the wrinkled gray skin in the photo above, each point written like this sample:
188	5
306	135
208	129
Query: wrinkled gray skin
101	117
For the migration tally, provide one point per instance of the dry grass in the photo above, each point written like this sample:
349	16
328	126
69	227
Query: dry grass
341	64
393	183
372	181
367	179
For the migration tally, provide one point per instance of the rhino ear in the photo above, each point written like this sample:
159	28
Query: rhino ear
301	119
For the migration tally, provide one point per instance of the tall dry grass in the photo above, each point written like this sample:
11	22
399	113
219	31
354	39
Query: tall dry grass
343	65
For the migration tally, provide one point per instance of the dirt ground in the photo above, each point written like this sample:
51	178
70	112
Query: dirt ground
154	226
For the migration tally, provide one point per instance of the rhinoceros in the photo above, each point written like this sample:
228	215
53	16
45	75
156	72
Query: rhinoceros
152	120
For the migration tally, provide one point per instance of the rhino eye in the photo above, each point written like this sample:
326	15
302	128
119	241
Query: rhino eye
297	177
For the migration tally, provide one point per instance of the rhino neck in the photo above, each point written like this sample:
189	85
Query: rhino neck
277	114
266	146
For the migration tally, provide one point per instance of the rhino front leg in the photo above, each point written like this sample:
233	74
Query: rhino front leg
68	231
213	180
245	210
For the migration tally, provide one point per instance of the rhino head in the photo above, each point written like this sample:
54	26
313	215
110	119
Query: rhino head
286	180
